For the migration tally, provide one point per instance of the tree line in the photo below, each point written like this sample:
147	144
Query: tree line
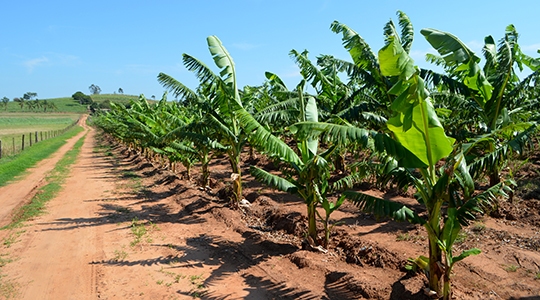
30	102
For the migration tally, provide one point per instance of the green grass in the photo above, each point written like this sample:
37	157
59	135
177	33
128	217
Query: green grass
14	125
11	168
4	261
120	255
116	98
68	105
511	268
54	180
140	230
9	289
24	120
462	237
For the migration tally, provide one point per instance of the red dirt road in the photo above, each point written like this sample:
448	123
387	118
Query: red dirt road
52	259
14	194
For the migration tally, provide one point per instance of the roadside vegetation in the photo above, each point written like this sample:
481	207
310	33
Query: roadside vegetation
14	125
9	289
13	167
54	180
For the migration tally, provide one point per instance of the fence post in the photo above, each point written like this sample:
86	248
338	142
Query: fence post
13	146
41	135
30	138
0	149
36	137
22	143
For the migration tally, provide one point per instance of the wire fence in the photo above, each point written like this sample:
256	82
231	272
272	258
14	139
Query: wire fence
15	145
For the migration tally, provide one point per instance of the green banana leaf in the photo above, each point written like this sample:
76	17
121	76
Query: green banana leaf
455	53
415	124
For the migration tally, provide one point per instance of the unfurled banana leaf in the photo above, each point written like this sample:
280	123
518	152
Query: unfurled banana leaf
415	124
455	53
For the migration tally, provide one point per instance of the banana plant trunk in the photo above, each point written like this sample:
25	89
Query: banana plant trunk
236	178
205	172
188	171
435	272
435	253
494	177
326	231
447	289
312	220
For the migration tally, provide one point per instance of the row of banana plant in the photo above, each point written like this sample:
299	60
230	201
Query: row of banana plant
440	133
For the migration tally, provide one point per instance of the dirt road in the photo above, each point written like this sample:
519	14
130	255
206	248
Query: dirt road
21	191
52	258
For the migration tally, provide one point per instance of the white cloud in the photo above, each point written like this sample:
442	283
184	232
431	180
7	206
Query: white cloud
35	62
51	59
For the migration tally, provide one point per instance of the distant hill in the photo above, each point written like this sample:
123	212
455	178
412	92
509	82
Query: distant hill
62	105
116	98
67	104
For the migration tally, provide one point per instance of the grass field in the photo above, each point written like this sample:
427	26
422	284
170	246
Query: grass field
16	121
67	104
55	178
14	166
116	98
62	105
14	125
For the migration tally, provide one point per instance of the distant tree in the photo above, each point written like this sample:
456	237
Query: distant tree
153	97
120	91
30	96
37	104
21	101
5	102
51	106
44	104
94	89
82	98
31	105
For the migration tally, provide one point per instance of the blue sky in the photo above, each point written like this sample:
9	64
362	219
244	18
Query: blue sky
55	48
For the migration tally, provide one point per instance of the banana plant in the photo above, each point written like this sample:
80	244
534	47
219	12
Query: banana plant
493	94
416	139
309	169
371	86
224	98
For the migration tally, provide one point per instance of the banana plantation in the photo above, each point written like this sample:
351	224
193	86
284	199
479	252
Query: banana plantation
450	138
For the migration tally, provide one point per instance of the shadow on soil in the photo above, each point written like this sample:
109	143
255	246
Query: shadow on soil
229	257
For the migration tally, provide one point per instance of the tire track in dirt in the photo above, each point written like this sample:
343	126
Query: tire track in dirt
17	193
53	258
